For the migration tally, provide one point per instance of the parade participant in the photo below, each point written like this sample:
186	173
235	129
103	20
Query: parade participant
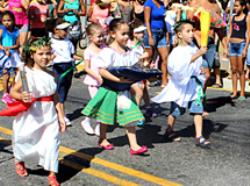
156	36
238	38
36	131
93	78
9	36
38	13
110	106
64	52
184	89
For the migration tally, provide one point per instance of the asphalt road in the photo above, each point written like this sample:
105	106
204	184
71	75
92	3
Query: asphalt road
227	163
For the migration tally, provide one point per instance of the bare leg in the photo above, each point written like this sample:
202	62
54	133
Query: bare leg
170	123
6	78
198	122
163	52
131	133
240	66
217	76
233	63
103	135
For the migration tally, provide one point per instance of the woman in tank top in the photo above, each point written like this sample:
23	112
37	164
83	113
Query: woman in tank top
139	10
238	42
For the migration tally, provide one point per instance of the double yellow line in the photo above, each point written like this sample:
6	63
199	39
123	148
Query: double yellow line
111	165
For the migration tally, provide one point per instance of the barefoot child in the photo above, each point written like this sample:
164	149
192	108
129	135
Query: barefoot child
105	105
184	89
36	131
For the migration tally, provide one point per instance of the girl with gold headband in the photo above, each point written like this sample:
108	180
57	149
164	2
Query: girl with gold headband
36	131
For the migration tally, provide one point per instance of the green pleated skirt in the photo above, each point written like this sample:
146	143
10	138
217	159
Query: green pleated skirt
103	108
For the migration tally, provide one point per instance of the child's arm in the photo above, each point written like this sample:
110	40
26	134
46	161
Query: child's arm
199	53
76	57
60	8
107	75
91	72
60	114
16	93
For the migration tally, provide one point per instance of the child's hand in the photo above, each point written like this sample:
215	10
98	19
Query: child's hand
100	80
203	50
26	97
203	71
225	52
244	53
62	125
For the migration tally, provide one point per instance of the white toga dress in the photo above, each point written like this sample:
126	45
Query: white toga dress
181	88
36	132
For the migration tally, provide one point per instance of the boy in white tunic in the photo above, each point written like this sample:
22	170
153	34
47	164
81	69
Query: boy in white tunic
184	89
36	131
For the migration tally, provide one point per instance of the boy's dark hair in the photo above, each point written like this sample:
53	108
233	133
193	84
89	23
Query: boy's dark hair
179	25
242	2
9	13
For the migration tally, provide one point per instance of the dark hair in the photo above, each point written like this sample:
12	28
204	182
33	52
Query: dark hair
134	24
90	30
9	13
242	2
115	24
179	25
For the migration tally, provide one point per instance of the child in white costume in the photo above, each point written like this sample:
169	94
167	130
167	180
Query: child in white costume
36	131
184	89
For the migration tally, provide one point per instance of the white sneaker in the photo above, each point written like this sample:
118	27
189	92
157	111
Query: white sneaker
97	129
67	121
86	125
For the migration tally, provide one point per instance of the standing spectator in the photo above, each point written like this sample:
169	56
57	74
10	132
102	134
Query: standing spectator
248	51
126	9
139	10
20	8
38	12
238	38
71	10
156	36
99	12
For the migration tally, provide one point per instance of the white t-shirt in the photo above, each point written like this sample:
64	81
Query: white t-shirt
63	49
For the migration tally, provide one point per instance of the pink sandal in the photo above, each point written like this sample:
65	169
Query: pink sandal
53	181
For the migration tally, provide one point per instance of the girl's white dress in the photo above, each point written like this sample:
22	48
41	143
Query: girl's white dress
36	132
182	88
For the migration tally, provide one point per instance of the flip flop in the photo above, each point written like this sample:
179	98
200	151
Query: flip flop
216	85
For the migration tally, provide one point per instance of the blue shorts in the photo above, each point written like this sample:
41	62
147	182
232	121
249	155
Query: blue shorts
236	49
159	36
209	57
194	109
248	56
64	83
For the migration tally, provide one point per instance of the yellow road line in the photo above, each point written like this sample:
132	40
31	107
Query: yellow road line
111	165
94	172
98	174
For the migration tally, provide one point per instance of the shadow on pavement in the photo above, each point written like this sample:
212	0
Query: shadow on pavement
73	163
209	127
214	103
